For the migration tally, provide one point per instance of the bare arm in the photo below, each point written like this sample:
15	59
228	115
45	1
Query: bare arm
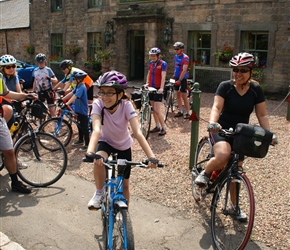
216	109
184	71
163	77
262	116
72	99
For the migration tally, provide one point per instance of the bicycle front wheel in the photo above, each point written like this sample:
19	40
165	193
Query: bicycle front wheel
167	105
44	159
61	130
204	152
123	237
233	213
145	120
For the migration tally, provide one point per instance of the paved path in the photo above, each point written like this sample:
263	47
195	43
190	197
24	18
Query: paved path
57	218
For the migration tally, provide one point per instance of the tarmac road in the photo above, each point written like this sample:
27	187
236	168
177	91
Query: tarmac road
57	218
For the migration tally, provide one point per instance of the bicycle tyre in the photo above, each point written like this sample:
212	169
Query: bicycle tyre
122	228
228	232
65	132
104	218
167	105
172	102
1	161
204	152
46	163
145	120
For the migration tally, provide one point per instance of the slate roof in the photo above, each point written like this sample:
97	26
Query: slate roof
14	14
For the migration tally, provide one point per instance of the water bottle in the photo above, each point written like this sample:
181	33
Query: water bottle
215	174
14	127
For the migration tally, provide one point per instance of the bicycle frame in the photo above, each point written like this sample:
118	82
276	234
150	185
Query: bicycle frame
115	197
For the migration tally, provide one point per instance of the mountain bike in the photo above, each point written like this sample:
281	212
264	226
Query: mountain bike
43	155
145	110
117	225
61	126
231	189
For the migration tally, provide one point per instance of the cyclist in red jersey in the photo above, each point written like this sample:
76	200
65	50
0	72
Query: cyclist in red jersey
156	78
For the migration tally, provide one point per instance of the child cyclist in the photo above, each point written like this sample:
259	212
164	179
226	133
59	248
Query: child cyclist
111	114
79	97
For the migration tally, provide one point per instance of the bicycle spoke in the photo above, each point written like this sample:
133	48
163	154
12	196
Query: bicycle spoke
232	219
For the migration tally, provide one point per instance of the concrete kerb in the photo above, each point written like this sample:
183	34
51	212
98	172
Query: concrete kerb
7	244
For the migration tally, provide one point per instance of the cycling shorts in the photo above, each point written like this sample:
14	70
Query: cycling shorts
122	154
182	87
155	97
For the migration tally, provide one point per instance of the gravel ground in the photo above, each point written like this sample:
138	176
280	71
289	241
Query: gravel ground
171	186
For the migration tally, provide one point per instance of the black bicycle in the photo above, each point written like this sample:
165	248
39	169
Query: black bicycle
233	205
169	98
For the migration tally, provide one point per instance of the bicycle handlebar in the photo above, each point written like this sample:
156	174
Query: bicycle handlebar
91	156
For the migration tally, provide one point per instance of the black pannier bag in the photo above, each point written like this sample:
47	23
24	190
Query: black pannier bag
38	109
166	88
136	97
252	140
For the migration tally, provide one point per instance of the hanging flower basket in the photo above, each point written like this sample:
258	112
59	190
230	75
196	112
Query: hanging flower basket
29	48
225	58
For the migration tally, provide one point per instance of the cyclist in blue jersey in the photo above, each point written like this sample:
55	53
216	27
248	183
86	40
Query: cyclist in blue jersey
111	115
43	79
79	97
67	68
156	78
181	62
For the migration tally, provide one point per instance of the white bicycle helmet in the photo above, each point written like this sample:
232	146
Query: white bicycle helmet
7	60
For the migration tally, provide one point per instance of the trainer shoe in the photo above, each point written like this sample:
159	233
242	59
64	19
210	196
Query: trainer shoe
202	179
156	129
179	114
20	188
77	143
241	217
83	148
21	165
96	202
186	116
162	132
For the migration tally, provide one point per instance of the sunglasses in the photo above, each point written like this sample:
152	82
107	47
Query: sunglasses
10	66
243	71
176	49
108	94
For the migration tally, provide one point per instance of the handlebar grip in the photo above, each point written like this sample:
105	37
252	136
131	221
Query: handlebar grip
91	156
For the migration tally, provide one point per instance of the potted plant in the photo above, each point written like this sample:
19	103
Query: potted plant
225	54
104	56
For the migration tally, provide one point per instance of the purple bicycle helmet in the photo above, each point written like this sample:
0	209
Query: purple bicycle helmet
112	79
242	59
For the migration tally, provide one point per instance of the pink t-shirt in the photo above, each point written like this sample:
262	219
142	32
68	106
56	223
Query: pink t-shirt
115	130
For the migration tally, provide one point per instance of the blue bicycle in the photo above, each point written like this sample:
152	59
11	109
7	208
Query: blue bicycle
61	126
117	225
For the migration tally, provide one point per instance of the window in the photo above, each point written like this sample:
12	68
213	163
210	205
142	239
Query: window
94	43
199	47
56	5
95	3
256	43
56	47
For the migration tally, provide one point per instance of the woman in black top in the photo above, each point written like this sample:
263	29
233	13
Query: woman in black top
234	102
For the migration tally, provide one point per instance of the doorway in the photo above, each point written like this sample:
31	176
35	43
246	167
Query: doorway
136	48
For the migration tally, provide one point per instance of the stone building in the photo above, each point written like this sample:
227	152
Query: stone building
130	28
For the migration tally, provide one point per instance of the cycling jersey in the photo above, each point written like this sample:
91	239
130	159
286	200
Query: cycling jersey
155	73
179	61
40	78
81	103
68	78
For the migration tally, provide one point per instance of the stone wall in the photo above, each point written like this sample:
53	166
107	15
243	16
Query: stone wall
225	18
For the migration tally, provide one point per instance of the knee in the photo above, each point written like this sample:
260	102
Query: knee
7	111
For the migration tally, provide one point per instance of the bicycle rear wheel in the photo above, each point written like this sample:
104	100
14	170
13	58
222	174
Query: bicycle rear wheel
61	130
228	229
145	120
204	152
123	237
45	157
